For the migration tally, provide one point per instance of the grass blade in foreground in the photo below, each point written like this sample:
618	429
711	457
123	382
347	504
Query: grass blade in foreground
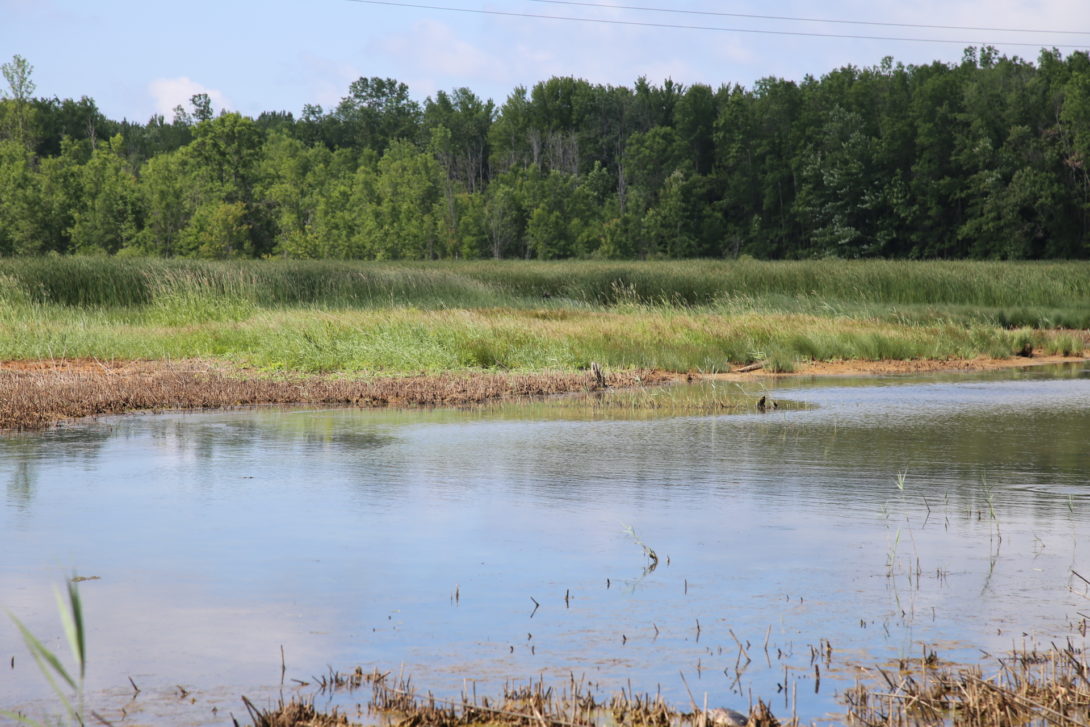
51	667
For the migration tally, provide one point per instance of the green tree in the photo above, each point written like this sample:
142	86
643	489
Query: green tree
294	178
841	193
652	156
503	218
509	137
405	217
202	107
1075	129
109	217
226	153
464	153
19	201
217	230
61	194
171	191
17	113
57	119
694	119
375	113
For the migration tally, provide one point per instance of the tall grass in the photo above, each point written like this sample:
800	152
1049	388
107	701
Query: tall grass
409	340
119	283
1023	292
411	317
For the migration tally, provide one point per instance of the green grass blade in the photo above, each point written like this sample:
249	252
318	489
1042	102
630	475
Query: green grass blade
45	659
43	655
72	619
20	718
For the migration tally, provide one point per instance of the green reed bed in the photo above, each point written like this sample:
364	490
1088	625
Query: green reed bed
124	282
407	340
413	317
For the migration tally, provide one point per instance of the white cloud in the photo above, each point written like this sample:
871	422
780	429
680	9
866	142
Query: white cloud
171	92
442	50
325	79
735	51
1030	14
434	57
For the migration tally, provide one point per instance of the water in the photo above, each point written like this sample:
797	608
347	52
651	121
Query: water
945	513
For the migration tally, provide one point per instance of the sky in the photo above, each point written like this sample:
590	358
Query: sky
138	58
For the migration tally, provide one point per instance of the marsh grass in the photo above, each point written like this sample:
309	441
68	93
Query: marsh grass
413	340
1023	294
404	340
400	318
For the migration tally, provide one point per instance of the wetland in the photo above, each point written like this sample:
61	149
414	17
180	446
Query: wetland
868	521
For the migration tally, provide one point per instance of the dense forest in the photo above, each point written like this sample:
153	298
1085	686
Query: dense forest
988	158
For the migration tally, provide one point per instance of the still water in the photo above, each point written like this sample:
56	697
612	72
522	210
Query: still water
888	516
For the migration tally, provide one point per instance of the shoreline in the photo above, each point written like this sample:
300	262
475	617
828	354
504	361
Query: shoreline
906	367
39	394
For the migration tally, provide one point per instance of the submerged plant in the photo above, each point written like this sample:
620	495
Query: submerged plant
891	556
647	550
52	669
901	480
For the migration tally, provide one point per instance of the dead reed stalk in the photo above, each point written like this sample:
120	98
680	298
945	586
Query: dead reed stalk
35	395
1030	688
395	702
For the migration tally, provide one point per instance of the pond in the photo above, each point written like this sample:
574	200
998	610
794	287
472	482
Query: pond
880	518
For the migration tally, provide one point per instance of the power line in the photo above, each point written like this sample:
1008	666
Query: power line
718	13
714	28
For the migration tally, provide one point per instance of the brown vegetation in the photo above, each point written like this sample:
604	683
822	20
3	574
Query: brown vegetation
37	394
1031	687
396	702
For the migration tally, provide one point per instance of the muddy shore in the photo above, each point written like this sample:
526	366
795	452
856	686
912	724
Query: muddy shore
38	394
893	367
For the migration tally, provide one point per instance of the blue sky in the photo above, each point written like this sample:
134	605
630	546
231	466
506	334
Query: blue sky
139	58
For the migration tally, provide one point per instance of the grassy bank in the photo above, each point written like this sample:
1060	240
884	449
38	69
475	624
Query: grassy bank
397	318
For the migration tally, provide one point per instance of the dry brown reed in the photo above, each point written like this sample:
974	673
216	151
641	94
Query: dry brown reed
395	702
294	714
1029	687
38	394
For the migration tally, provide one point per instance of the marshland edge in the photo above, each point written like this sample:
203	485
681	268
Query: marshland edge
278	319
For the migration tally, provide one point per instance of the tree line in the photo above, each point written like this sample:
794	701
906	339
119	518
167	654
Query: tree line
986	158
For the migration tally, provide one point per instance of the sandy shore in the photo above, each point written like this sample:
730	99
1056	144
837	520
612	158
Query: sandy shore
41	393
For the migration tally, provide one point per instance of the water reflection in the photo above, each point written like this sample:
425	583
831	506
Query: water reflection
893	511
21	455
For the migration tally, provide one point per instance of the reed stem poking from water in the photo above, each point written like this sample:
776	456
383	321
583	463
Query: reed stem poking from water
1029	686
530	705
